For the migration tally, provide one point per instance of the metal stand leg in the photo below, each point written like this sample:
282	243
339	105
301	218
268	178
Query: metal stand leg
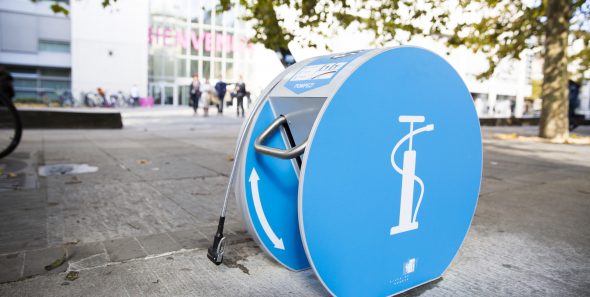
216	250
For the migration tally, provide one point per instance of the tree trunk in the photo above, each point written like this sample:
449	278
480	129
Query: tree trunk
554	114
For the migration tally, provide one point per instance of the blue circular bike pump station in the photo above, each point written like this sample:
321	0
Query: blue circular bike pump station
365	166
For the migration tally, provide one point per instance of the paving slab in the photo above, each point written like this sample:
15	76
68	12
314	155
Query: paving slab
37	260
82	256
11	267
190	239
158	243
99	212
202	198
22	220
170	169
124	249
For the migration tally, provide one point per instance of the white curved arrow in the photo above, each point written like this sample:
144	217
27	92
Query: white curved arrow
278	242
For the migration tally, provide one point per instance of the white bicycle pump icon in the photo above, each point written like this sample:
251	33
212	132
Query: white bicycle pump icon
407	217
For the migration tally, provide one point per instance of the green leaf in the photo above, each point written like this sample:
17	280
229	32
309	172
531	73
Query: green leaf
58	262
58	8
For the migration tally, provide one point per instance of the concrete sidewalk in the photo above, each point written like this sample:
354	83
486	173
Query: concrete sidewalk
141	224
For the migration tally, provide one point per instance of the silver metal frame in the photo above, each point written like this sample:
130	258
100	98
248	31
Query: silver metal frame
282	154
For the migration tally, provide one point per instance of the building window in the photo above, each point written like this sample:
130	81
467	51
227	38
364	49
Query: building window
202	41
217	71
54	46
194	67
32	84
207	69
181	67
229	72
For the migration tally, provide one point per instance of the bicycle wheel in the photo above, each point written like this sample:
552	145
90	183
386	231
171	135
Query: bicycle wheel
10	127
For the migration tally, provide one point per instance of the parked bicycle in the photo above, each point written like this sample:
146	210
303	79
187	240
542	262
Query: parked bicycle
65	98
92	99
11	128
119	99
102	99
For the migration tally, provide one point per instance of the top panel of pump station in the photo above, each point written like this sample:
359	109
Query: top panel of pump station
320	77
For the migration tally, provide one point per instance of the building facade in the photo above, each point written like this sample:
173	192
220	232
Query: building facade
35	46
188	37
158	46
155	46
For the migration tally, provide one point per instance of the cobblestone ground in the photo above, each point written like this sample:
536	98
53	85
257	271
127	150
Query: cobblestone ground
140	225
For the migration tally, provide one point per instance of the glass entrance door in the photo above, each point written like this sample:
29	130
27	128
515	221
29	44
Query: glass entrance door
183	94
164	93
168	95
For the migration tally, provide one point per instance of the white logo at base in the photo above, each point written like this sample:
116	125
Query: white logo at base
410	266
407	217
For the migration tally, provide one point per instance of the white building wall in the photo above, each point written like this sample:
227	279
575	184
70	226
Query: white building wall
109	46
22	24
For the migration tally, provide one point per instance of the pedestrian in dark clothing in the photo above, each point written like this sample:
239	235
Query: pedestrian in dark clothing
240	94
574	103
221	89
195	92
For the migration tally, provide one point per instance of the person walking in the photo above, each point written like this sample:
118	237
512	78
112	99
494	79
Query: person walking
101	94
240	94
195	92
206	90
221	89
134	95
